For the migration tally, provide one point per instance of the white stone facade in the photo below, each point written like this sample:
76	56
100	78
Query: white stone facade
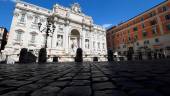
73	30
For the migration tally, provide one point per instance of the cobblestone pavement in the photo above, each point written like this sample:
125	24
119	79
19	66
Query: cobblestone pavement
137	78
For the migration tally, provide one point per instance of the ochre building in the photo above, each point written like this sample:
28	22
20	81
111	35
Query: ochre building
148	31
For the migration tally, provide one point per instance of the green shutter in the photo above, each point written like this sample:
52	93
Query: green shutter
168	27
144	33
135	28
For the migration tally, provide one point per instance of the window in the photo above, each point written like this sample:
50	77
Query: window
167	17
143	25
98	45
129	38
103	46
61	29
142	19
168	27
137	44
36	19
164	8
134	22
33	38
87	43
144	33
124	46
154	30
135	28
153	22
18	36
156	40
150	14
146	42
22	17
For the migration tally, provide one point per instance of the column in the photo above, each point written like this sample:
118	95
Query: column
68	44
159	22
66	39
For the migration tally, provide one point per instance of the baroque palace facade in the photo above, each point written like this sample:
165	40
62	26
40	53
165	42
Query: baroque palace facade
149	31
73	30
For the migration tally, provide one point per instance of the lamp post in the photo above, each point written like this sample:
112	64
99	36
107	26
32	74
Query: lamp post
49	28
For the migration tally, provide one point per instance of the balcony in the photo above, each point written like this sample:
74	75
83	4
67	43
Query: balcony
21	24
32	43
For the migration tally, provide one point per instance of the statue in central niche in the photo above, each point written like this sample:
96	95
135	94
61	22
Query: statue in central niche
74	45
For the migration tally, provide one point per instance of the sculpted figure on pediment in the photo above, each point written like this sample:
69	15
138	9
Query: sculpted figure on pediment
76	8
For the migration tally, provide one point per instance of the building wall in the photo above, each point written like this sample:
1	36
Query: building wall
132	33
3	37
59	43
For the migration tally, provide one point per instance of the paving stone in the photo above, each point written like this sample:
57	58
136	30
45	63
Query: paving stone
59	83
81	77
110	93
152	84
144	92
97	75
103	86
80	83
165	90
6	89
100	79
46	91
128	85
130	78
140	78
15	93
65	79
14	83
30	87
76	91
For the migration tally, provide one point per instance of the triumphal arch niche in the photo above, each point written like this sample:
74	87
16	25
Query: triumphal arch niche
75	41
73	30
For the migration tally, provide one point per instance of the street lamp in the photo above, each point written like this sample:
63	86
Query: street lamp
49	28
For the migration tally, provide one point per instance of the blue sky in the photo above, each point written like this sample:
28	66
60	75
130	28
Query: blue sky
103	12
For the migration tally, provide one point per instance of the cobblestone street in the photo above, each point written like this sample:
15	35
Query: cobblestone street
135	78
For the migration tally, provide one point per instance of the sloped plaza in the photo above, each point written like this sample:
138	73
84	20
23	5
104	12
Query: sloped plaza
130	78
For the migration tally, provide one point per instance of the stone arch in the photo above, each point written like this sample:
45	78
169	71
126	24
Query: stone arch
74	40
75	32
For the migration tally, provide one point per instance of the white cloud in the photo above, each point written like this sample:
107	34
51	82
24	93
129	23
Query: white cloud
107	25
